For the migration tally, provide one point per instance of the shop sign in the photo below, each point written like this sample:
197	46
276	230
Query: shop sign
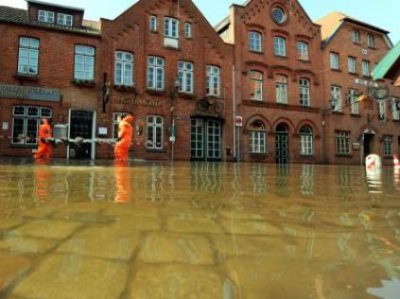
138	102
29	93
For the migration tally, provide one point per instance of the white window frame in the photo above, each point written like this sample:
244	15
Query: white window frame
342	142
304	92
306	141
28	55
382	110
155	132
64	19
213	80
365	66
46	16
371	40
352	64
186	76
258	139
153	23
387	148
303	50
336	98
281	89
280	46
171	27
84	63
255	41
155	73
188	30
124	68
355	36
25	114
334	61
395	109
256	85
354	102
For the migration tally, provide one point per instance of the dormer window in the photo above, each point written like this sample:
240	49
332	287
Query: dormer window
171	32
45	16
64	19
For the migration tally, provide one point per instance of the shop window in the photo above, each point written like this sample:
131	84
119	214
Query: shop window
155	132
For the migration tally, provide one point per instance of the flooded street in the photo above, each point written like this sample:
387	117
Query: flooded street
198	230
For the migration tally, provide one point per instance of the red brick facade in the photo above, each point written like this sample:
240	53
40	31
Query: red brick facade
287	118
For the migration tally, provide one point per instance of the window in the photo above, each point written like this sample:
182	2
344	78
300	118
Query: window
155	73
395	109
304	91
155	132
342	142
257	137
171	28
282	89
302	51
116	116
306	141
188	30
45	16
64	19
26	122
213	81
123	68
185	76
371	40
256	85
336	98
153	23
355	36
28	56
355	103
387	145
352	64
382	110
334	59
279	46
278	15
365	68
255	40
84	62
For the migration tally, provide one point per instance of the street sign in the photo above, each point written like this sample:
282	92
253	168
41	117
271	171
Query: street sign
239	121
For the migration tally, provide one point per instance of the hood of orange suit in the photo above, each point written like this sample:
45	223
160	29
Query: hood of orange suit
128	118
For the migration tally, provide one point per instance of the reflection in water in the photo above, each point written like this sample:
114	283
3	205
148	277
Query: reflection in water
223	227
122	182
374	180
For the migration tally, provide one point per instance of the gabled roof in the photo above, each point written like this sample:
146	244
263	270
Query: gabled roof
332	22
388	64
20	16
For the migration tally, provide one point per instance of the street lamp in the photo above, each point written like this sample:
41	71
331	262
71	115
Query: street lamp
173	93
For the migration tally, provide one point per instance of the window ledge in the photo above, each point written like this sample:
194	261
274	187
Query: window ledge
355	115
14	145
87	83
337	112
255	51
172	48
156	92
336	70
281	56
304	60
26	77
353	74
396	120
186	95
149	150
212	97
261	155
366	77
124	87
344	155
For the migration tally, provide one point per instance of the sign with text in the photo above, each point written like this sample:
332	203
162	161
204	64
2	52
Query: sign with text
138	102
29	93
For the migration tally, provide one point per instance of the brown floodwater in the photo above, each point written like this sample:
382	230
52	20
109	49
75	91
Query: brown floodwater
198	230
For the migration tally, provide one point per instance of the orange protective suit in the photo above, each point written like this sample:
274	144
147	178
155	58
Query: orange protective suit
44	147
125	132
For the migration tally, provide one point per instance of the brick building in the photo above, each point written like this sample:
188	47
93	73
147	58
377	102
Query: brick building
267	84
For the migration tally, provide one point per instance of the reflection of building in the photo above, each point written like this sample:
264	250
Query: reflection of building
188	84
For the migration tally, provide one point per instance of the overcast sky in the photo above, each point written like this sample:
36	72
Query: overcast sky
382	13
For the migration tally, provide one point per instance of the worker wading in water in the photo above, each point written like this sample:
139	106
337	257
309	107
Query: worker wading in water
44	150
124	141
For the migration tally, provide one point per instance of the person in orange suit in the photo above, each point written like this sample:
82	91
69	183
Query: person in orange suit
124	140
44	150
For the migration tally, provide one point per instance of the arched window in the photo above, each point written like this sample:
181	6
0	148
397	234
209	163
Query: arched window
258	135
304	92
256	85
255	41
281	89
306	141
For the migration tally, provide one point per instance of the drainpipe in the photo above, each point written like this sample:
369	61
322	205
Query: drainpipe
234	111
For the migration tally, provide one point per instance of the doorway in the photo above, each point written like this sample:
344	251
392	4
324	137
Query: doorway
367	145
282	144
205	139
81	124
